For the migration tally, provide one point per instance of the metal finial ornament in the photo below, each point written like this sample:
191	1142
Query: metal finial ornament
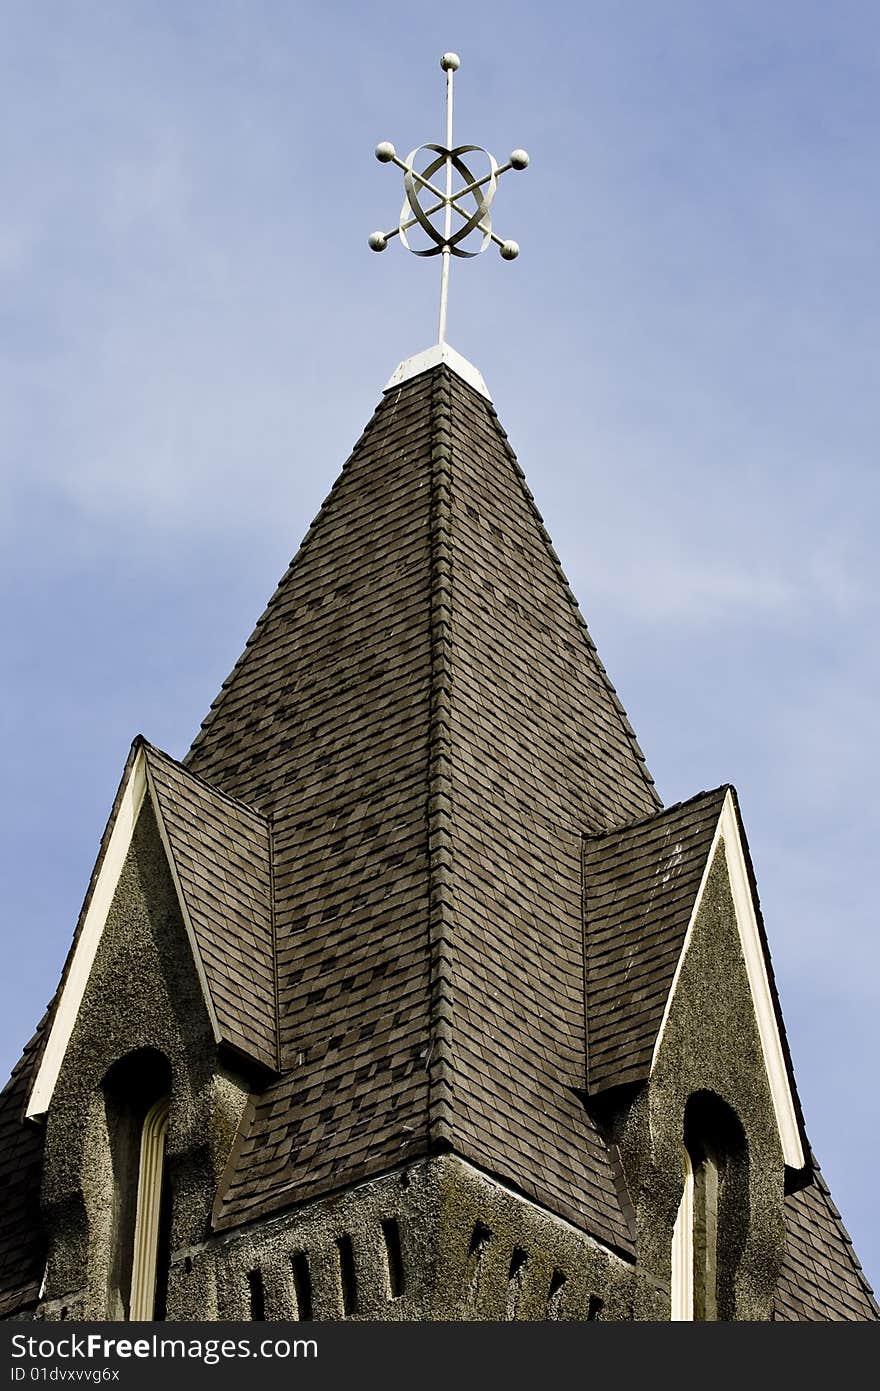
471	200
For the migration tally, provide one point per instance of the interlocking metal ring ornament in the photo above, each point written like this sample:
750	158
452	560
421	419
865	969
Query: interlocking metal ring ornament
481	190
418	183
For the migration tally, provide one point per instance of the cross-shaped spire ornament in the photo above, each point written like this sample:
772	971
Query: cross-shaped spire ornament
468	196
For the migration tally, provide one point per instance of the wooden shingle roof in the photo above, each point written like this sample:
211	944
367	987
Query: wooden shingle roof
422	712
640	885
22	1248
821	1279
220	854
382	835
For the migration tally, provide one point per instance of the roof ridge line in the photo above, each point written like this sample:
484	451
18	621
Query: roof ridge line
439	800
211	787
656	815
824	1189
385	405
276	993
572	599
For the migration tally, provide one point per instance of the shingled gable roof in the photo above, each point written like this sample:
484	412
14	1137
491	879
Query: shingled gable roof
821	1276
642	889
22	1249
640	885
422	712
219	853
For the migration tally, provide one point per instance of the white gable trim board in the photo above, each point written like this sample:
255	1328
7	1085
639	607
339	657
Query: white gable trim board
727	831
131	799
130	803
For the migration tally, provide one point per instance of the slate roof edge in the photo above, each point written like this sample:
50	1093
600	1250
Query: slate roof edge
585	961
255	1052
19	1301
153	751
280	588
274	932
591	837
23	1070
439	799
572	598
222	1225
633	1073
623	1253
819	1180
18	1298
239	1140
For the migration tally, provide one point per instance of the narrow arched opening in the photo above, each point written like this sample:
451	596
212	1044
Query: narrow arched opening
137	1098
713	1216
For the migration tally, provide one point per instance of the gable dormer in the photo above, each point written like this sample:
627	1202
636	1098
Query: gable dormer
163	1022
218	855
687	1051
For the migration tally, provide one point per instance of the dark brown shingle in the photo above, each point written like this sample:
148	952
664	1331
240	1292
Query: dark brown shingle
22	1250
422	712
221	856
422	720
640	885
821	1277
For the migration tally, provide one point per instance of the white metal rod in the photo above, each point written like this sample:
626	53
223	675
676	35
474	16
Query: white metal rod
462	193
444	295
432	188
447	227
426	183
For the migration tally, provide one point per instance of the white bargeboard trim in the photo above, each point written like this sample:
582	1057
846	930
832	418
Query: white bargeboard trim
727	831
137	785
130	802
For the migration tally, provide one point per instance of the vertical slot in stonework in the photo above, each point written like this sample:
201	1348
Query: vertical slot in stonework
347	1276
480	1238
515	1278
257	1296
556	1295
393	1256
302	1286
595	1307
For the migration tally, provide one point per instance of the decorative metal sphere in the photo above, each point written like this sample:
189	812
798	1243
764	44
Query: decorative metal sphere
510	250
378	241
519	159
385	152
450	62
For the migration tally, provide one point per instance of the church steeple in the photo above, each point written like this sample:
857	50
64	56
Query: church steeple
437	990
424	717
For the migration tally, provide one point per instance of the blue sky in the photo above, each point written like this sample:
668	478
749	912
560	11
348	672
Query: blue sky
685	356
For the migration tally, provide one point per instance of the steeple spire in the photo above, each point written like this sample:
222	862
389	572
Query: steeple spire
468	195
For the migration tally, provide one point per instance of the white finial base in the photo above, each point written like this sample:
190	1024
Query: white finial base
432	357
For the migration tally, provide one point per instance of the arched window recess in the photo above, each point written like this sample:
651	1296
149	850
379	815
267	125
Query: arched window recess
712	1220
137	1093
148	1219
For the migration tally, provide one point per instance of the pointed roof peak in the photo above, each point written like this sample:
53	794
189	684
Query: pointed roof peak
433	357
